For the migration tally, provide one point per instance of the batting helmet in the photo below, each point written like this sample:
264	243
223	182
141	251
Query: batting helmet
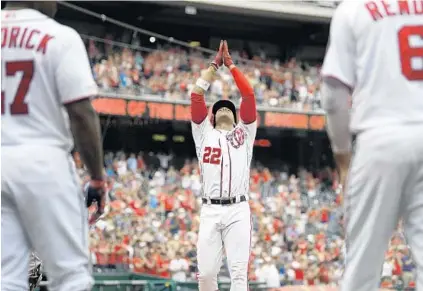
223	103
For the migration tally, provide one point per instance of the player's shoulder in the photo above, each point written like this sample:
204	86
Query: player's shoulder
241	124
63	32
349	5
347	9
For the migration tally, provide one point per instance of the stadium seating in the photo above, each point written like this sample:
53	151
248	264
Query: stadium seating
170	74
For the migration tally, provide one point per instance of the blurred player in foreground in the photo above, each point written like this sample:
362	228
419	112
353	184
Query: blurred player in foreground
376	53
224	150
46	89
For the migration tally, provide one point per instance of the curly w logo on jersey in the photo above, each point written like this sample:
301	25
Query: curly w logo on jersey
236	137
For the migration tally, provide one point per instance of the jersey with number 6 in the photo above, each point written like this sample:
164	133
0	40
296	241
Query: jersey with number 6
376	48
44	66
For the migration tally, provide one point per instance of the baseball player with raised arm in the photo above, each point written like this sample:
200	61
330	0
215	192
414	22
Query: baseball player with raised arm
224	150
375	53
46	88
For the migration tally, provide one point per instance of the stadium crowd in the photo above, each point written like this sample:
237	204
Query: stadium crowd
152	220
170	72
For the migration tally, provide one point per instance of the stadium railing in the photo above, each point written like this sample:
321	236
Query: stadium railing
113	94
141	282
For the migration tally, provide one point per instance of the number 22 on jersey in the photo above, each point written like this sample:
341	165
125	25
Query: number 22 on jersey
17	105
212	155
408	52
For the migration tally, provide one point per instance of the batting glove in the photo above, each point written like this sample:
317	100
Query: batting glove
227	59
96	194
218	59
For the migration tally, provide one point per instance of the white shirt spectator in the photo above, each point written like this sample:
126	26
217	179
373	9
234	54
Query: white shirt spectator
132	163
93	258
311	193
337	275
159	179
387	269
269	274
302	92
179	268
196	184
186	181
292	208
217	87
122	168
164	160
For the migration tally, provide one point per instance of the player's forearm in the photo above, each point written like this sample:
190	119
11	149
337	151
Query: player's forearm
342	161
335	102
198	108
85	126
248	105
198	104
207	76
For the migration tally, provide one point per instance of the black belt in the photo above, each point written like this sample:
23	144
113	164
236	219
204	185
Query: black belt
224	201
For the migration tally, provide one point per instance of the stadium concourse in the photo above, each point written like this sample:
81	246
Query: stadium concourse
153	215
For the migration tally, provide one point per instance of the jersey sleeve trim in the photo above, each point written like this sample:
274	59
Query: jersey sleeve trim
248	123
79	99
340	79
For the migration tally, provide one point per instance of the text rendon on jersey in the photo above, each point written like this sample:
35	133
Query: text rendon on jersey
380	9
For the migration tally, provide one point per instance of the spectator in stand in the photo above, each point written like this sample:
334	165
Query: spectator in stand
407	267
132	163
178	267
268	273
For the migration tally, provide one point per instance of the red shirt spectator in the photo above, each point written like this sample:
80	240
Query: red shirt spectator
136	207
324	215
320	245
324	275
112	256
163	266
302	247
169	202
299	274
120	252
138	265
140	163
102	254
397	268
277	225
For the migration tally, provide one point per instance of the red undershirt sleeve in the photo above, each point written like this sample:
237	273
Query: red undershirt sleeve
198	108
247	110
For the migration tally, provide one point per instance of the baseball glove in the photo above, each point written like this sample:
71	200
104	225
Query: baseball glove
35	272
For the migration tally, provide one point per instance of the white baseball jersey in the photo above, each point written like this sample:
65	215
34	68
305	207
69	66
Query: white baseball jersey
44	65
376	48
224	158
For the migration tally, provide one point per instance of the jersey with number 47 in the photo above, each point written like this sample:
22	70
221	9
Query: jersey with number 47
44	66
224	158
376	48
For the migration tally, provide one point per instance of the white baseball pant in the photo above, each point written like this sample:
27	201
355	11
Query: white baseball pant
43	210
229	227
385	183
